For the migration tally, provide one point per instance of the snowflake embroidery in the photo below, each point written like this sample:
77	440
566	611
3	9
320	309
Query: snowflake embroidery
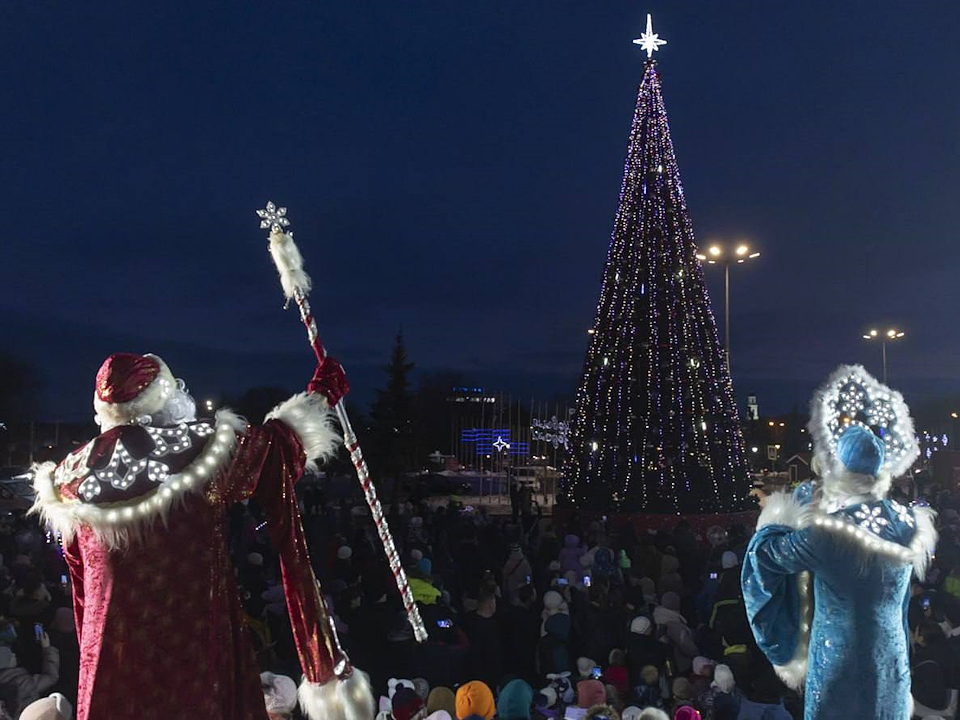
871	518
273	217
903	513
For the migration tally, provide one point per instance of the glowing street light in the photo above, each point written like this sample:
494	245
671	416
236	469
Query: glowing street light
888	336
717	253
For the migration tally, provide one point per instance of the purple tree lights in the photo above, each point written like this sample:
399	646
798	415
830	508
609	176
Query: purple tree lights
656	428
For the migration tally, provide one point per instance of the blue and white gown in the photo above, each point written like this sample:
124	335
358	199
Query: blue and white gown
827	593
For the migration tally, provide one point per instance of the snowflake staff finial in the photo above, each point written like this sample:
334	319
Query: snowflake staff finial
273	217
649	41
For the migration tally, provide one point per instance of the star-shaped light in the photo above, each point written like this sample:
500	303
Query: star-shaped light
649	41
273	217
501	444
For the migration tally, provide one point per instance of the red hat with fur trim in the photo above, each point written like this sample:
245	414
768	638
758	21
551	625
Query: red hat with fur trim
129	386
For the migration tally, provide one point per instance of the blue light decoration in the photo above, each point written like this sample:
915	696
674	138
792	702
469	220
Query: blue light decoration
656	428
488	440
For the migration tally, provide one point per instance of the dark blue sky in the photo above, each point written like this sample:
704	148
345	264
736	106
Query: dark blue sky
454	168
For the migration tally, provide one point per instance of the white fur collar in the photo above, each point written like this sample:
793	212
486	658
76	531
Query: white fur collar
120	523
784	509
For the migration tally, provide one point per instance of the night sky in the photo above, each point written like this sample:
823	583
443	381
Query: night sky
453	169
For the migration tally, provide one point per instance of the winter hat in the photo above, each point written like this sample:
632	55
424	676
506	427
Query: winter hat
515	701
475	698
649	674
416	555
422	687
55	707
669	564
861	451
723	679
671	601
6	657
425	566
590	693
405	703
686	713
702	666
279	693
553	603
442	698
640	626
601	712
255	559
395	684
631	712
585	666
682	689
516	551
729	560
63	621
439	715
653	714
129	386
546	698
345	552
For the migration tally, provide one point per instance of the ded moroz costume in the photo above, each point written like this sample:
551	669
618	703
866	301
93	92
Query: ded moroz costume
141	509
826	578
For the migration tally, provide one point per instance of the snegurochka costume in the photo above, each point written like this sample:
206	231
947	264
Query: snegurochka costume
826	578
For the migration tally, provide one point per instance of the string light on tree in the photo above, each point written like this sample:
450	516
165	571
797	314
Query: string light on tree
656	426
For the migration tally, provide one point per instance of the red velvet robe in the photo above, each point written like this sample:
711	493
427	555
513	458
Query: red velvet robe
162	634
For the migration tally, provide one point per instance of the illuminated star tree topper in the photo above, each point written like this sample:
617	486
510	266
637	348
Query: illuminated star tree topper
649	41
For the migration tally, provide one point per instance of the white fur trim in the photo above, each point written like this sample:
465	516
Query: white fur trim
924	541
286	256
118	525
150	400
338	699
309	416
794	672
781	508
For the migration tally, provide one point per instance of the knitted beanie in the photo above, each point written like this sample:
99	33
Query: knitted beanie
475	698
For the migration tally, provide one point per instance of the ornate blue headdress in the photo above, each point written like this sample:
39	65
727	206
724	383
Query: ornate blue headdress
853	398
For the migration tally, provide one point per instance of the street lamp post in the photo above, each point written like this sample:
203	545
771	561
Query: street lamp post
888	336
717	253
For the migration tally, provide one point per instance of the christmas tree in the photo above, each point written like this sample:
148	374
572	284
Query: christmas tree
656	427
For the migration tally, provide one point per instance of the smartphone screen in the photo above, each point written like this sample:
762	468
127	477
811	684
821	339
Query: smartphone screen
595	672
586	581
63	579
444	623
561	581
713	576
38	630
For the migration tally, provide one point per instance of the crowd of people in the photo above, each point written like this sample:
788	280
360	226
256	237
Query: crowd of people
534	617
529	618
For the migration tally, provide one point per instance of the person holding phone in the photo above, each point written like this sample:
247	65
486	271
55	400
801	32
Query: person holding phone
516	571
26	686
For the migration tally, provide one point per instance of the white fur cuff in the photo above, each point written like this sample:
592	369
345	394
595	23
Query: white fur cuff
309	416
338	699
782	508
